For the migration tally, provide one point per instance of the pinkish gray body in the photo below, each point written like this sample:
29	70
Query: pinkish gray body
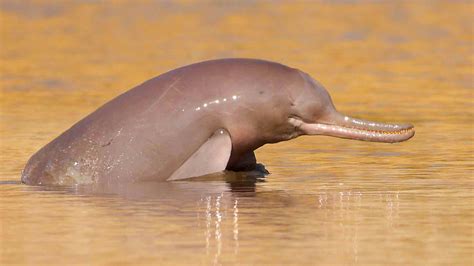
196	120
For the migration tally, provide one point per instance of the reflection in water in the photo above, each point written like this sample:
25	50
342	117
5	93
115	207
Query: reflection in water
189	189
216	213
217	198
346	222
208	222
218	233
236	226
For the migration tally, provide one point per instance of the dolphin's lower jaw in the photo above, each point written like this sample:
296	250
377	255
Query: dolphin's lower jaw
360	130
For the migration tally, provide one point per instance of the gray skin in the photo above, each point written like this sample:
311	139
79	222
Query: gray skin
150	131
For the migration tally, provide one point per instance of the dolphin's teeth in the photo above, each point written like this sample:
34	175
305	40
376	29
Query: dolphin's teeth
382	132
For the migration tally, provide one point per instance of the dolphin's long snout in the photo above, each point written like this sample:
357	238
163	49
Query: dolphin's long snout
351	128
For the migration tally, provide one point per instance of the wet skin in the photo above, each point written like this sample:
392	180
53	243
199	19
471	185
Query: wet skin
208	116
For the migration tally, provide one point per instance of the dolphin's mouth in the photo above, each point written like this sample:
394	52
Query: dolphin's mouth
350	128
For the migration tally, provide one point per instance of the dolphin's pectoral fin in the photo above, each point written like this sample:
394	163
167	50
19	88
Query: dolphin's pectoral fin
210	158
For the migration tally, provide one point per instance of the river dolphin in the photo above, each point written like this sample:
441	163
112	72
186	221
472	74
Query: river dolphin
195	120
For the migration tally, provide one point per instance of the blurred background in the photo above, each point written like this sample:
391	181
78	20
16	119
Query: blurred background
327	201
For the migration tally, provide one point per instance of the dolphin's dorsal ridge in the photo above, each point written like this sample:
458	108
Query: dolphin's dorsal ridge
210	157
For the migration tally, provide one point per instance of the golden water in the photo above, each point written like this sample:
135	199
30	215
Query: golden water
327	201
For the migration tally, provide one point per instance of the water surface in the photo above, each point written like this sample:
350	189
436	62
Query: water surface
327	200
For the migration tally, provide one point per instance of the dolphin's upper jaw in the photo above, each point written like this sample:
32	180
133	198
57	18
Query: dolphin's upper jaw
350	128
